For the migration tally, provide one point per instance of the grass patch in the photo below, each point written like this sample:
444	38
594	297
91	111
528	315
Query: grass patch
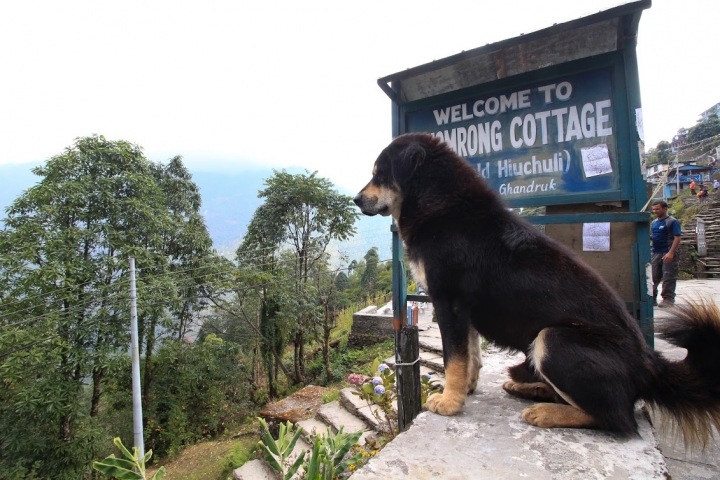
240	453
330	395
214	460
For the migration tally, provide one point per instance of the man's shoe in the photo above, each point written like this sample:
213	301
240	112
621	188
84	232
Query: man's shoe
666	303
654	302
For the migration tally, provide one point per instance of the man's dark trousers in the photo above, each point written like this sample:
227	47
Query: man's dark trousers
667	273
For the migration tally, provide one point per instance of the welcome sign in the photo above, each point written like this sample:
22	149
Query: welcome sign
551	138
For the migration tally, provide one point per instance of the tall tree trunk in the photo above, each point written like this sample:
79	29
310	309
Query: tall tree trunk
300	356
326	344
148	370
296	359
271	376
98	374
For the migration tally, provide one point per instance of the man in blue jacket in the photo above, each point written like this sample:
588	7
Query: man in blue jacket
665	260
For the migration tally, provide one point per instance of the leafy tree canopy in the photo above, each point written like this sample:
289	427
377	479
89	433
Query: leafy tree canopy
63	288
704	130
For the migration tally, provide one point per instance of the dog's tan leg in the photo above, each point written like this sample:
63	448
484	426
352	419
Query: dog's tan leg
474	360
556	415
456	384
532	391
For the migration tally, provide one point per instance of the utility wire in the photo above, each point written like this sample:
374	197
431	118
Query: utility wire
120	297
211	261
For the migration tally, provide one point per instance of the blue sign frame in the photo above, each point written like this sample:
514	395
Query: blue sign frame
550	137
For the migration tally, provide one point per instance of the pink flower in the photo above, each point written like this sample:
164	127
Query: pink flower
356	379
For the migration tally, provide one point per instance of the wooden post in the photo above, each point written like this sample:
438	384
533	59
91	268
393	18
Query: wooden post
408	377
407	346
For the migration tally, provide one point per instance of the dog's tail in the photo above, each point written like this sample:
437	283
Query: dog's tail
688	391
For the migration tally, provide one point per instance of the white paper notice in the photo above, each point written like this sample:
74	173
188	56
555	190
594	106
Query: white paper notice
596	160
639	124
596	237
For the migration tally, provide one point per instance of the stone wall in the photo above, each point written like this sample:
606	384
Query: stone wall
370	326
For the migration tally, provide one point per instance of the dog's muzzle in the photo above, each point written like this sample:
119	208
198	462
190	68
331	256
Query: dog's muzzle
365	204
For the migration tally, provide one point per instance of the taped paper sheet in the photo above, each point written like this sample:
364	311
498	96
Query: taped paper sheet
639	124
596	160
596	237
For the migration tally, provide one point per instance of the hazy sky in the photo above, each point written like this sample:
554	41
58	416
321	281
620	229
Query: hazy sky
231	84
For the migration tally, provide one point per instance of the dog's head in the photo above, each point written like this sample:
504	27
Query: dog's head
391	174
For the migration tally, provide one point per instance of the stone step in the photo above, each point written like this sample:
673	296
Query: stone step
300	446
259	468
430	343
359	407
336	416
437	376
431	360
312	427
255	470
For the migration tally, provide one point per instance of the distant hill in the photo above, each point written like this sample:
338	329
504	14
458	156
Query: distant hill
228	203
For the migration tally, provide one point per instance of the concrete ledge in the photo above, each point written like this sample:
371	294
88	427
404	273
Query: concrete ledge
489	439
370	326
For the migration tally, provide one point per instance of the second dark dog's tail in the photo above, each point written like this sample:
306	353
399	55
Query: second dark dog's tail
689	390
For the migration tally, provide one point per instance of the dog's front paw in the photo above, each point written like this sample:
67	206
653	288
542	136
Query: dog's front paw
538	415
445	403
556	415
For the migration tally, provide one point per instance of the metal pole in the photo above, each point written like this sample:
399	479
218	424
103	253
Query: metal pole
135	351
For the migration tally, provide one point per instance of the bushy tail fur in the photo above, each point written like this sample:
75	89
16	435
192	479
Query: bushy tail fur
688	391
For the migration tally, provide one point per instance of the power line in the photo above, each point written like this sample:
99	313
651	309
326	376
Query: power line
211	262
116	299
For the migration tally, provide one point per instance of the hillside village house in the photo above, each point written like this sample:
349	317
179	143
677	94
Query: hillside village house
714	110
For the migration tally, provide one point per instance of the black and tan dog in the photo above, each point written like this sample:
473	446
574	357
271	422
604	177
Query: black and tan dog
487	270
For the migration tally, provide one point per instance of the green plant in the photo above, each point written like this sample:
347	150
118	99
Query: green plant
277	452
330	395
428	386
131	467
379	390
240	453
327	458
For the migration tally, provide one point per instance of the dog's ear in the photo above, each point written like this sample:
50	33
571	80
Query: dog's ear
406	162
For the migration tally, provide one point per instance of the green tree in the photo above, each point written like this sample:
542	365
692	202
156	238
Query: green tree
706	129
370	275
329	301
182	269
301	214
341	282
664	153
63	291
204	388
